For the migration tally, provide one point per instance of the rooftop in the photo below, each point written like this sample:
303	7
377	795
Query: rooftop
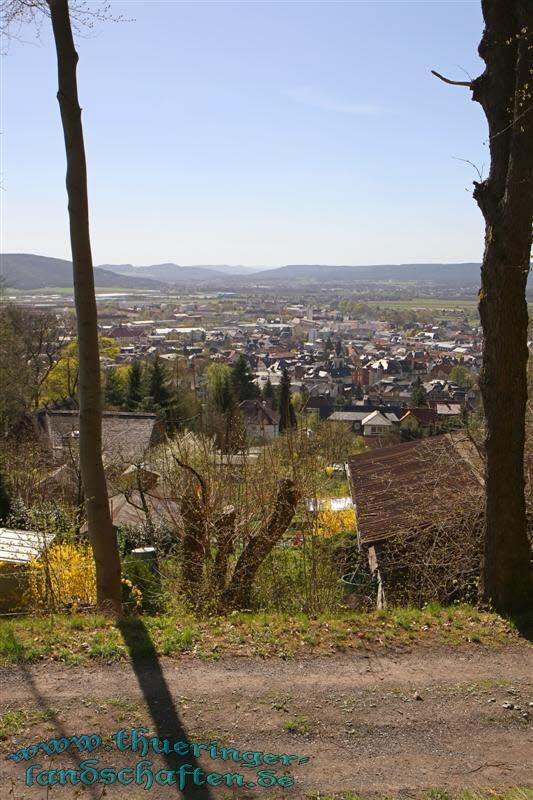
397	488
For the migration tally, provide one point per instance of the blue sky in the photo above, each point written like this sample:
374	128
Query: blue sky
254	133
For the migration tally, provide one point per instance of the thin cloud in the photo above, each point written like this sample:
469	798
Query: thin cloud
309	96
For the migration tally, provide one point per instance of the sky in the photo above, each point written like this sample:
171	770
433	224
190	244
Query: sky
259	133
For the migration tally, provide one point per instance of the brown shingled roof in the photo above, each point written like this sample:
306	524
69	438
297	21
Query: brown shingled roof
401	487
125	436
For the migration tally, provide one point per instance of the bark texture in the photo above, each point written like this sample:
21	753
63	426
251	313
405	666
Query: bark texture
101	532
194	543
238	594
505	198
225	539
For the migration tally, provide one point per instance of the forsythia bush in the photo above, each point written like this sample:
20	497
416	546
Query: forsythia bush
329	523
64	576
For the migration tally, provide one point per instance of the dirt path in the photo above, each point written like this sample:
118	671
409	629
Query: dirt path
372	724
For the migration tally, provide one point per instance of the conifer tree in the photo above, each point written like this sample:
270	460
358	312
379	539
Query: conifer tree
269	394
114	391
287	419
159	394
418	395
135	392
242	380
5	500
162	399
358	392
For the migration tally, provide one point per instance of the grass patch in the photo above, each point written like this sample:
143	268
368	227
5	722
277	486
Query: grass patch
298	725
13	721
79	639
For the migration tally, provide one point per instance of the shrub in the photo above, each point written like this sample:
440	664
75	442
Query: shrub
143	585
329	523
63	577
301	578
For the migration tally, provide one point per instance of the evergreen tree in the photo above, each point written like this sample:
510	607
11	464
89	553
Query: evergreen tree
219	383
114	390
269	394
358	392
242	380
419	396
161	399
135	392
5	500
222	402
287	418
159	394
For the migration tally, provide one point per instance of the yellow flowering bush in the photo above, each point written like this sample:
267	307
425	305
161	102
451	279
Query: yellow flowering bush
64	576
329	523
131	594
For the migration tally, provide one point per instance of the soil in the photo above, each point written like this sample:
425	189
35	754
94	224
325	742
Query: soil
396	724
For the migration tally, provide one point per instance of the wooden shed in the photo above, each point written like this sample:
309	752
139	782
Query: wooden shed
410	488
17	550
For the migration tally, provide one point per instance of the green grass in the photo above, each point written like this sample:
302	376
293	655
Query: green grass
12	722
300	725
79	639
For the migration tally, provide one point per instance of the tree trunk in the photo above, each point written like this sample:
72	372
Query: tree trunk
225	541
506	201
101	532
239	592
194	546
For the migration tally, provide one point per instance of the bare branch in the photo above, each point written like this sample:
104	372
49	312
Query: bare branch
466	161
452	83
196	474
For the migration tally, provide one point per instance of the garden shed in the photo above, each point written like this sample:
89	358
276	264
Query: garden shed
419	515
17	550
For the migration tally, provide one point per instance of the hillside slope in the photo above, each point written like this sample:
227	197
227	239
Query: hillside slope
29	271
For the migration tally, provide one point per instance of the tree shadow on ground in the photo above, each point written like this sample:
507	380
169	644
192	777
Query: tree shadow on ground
523	624
158	698
75	757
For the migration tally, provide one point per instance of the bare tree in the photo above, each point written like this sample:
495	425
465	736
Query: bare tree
41	339
506	201
101	531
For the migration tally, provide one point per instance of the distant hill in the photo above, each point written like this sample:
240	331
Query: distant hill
25	271
28	271
460	275
166	273
230	269
175	273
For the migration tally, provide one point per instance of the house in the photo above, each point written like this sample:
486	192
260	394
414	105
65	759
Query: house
417	490
380	424
261	421
449	412
143	511
352	419
126	437
418	422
